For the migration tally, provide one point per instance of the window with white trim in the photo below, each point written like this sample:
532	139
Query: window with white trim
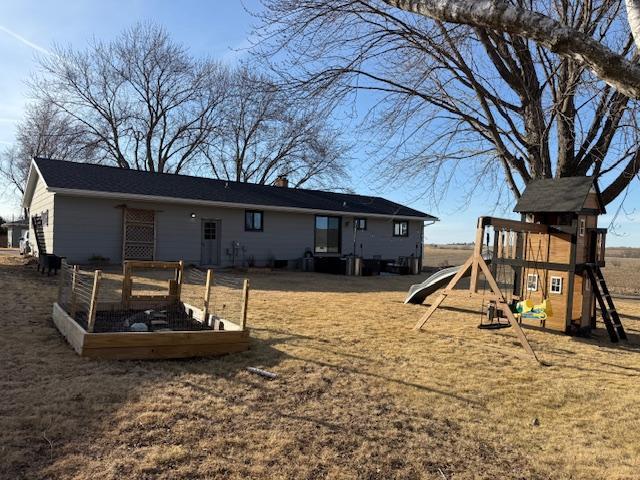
400	228
582	228
532	282
556	285
361	223
253	220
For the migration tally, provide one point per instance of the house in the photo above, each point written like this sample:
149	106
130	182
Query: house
93	211
15	230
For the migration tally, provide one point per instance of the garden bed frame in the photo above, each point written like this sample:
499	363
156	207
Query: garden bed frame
151	345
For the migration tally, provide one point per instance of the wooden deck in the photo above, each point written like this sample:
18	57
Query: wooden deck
151	345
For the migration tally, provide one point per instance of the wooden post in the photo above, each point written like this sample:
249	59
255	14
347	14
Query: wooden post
91	316
207	296
126	285
477	253
73	301
245	301
63	271
179	277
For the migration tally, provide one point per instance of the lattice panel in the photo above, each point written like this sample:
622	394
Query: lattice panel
139	234
134	251
133	215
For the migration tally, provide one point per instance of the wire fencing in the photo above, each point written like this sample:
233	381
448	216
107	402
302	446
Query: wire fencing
152	299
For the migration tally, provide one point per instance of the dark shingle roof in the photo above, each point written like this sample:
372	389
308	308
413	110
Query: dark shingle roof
100	178
566	194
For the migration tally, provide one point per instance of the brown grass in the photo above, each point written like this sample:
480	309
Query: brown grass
359	394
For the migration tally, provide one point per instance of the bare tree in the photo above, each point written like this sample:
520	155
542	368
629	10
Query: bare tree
141	99
521	89
267	132
45	131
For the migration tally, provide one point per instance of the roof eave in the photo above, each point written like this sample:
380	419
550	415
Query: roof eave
189	201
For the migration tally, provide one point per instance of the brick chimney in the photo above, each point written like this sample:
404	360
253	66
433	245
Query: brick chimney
281	181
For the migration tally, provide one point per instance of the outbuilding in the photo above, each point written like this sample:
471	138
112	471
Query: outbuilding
15	231
93	212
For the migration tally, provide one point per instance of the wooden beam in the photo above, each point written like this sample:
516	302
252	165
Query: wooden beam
63	274
507	310
454	281
179	278
141	264
91	316
245	303
477	252
207	296
506	224
73	302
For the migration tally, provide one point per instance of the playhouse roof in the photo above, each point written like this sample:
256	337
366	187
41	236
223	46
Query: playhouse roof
558	195
86	179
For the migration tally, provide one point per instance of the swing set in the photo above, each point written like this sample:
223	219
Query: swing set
543	271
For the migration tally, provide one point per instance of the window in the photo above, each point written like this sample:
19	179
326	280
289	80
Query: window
582	228
400	228
45	218
327	234
532	282
556	284
253	220
361	223
210	230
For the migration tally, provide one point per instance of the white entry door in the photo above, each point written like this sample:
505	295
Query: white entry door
210	254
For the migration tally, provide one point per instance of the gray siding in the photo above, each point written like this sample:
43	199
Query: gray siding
378	239
42	201
85	227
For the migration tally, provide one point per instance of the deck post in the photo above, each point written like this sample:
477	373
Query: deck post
73	301
93	306
245	301
207	297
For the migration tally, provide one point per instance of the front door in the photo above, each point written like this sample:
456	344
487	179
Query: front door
210	242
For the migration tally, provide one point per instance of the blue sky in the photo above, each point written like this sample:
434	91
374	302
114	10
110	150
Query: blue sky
217	29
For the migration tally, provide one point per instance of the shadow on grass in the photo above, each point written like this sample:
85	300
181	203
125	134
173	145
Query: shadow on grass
289	337
55	404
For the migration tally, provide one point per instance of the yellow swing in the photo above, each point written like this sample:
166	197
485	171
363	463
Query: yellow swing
540	311
526	308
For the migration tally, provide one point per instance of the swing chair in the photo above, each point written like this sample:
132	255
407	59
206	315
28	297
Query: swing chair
526	308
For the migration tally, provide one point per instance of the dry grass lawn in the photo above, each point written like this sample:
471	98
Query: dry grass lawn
359	394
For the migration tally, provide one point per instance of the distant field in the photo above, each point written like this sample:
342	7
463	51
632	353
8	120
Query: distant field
622	271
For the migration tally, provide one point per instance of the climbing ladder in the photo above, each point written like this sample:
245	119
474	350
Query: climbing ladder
46	261
608	309
36	222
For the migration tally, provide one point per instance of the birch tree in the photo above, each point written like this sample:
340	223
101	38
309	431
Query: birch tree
501	90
